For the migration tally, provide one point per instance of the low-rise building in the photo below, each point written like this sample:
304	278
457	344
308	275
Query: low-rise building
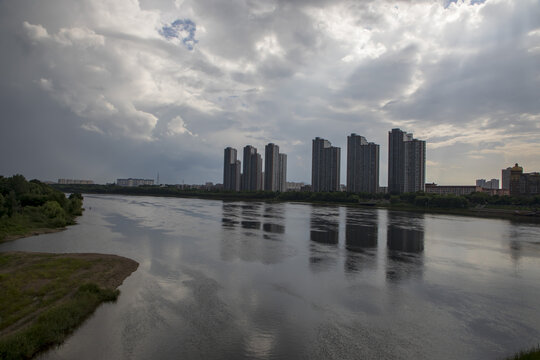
75	182
458	190
294	186
134	182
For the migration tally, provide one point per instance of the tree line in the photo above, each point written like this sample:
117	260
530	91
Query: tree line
418	199
27	205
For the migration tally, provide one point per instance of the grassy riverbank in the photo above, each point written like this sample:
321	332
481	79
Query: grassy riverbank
45	297
32	207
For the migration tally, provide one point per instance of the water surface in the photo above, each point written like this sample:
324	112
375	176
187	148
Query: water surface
262	280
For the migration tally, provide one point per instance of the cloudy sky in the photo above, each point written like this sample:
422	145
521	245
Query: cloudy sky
101	90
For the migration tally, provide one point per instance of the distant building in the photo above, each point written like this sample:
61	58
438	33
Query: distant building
294	186
460	190
505	178
231	170
252	179
75	182
481	182
306	188
134	182
406	162
524	184
451	189
499	192
492	184
362	165
325	166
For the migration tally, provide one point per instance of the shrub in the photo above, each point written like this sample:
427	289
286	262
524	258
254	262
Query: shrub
55	213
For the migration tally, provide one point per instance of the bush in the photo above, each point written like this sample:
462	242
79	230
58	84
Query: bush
55	213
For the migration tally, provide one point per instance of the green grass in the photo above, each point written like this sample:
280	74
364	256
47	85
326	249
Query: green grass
27	222
55	324
43	298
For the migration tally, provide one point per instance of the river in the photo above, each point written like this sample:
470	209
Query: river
255	280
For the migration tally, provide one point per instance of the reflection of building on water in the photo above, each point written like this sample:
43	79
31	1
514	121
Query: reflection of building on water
250	224
274	228
329	236
405	245
361	238
248	216
324	231
274	211
324	225
230	213
243	235
361	230
251	216
274	217
406	240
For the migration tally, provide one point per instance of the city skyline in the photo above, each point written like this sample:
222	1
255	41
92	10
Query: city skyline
104	90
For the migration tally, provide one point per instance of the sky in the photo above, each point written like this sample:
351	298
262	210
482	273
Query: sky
102	90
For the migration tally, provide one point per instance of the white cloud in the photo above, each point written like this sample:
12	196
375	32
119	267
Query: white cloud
178	126
79	36
35	32
45	84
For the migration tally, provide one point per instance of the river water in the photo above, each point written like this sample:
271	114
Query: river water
254	280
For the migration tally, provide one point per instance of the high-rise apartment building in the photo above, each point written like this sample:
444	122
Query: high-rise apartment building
275	169
362	165
415	168
282	182
524	184
271	167
406	162
505	178
231	170
252	170
325	166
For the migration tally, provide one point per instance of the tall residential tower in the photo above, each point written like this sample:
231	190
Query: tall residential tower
275	169
252	170
406	162
271	167
362	165
231	170
325	166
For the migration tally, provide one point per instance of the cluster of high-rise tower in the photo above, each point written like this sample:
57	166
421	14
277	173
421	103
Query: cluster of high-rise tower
406	166
252	177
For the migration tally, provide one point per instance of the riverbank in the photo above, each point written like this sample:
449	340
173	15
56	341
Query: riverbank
411	202
30	208
30	232
45	297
